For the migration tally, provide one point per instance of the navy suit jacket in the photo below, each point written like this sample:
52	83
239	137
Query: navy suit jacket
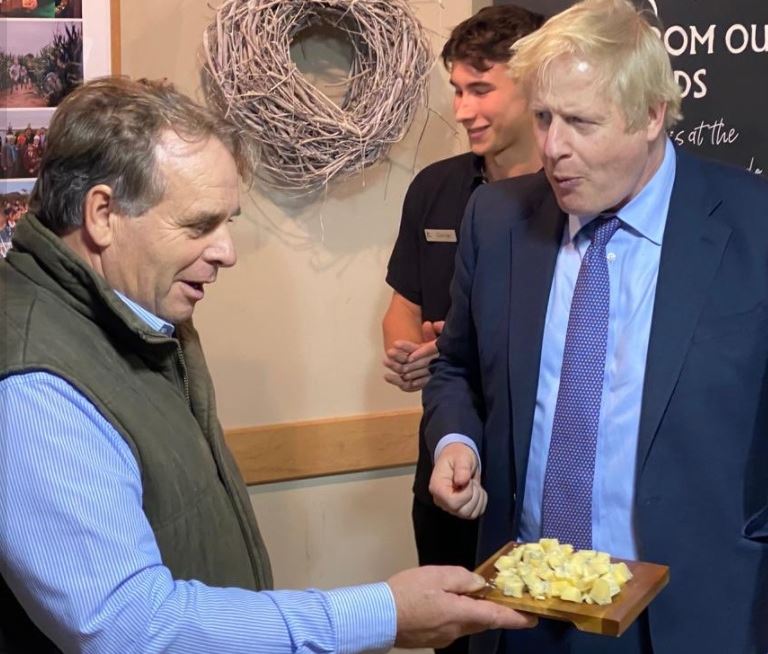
702	475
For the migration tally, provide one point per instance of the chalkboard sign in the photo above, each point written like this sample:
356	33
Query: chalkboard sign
719	52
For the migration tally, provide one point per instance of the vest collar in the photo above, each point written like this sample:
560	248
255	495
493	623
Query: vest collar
42	256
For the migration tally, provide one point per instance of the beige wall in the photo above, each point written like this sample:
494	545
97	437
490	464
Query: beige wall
293	332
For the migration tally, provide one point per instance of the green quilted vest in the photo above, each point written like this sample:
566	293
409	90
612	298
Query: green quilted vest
57	315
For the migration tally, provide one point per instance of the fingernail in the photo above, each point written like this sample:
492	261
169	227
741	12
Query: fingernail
479	580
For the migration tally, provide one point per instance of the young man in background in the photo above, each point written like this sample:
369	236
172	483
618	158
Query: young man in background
493	111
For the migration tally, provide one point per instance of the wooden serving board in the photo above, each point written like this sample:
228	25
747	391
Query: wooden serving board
609	620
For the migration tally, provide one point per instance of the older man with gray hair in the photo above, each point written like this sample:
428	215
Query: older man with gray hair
126	526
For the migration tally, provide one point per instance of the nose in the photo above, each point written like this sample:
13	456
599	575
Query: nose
555	144
464	108
221	250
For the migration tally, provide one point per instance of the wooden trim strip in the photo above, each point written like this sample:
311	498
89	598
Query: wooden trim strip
115	42
332	446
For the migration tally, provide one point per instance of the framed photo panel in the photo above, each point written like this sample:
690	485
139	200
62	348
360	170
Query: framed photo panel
50	48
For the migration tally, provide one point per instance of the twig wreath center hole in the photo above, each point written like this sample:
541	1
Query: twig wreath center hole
324	54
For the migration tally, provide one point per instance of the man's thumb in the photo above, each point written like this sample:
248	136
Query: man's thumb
427	332
462	473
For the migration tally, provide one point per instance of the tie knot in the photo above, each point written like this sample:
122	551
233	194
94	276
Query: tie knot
604	228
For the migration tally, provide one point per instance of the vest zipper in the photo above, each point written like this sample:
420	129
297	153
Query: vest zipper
184	378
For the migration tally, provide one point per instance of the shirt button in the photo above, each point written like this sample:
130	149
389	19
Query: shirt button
611	256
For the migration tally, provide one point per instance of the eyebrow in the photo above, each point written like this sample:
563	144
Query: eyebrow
208	220
471	85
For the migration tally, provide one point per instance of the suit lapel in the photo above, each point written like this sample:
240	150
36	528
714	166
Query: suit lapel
691	251
535	243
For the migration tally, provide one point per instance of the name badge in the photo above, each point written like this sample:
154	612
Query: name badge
440	235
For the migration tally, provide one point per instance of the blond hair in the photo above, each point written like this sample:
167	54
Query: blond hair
632	65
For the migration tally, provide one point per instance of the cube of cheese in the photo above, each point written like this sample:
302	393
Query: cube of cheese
512	587
566	549
621	572
504	562
603	557
613	585
555	559
601	592
514	555
557	586
545	572
549	544
598	566
571	594
586	581
537	588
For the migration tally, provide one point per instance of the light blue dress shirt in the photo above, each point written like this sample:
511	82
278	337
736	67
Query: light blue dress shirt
633	256
78	552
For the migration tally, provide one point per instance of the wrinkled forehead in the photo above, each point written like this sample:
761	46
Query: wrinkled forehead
560	70
569	79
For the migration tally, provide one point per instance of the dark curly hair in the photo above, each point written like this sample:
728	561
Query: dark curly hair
485	38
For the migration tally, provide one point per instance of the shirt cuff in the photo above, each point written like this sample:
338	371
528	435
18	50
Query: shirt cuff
456	438
365	618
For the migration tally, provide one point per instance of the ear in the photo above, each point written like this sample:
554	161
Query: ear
98	218
657	113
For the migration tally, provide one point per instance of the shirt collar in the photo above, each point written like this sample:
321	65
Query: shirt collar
646	213
150	319
477	164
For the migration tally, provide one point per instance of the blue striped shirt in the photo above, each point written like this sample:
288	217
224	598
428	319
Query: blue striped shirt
79	554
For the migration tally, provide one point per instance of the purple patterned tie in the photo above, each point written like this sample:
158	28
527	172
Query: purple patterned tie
566	511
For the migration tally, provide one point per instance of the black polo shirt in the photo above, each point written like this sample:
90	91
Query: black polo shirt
421	267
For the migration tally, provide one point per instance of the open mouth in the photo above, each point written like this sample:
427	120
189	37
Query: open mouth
477	132
195	289
566	182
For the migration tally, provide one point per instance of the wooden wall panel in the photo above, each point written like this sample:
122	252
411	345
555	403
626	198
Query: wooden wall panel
116	42
325	447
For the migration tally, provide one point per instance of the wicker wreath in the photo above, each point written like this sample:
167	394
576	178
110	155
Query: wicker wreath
299	139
